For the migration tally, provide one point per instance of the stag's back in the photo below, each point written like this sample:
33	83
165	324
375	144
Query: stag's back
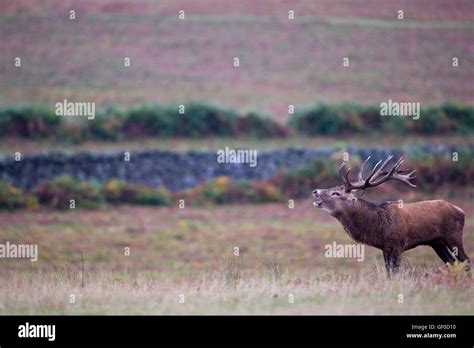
425	221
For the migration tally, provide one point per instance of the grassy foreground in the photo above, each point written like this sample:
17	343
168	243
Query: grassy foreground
182	261
317	291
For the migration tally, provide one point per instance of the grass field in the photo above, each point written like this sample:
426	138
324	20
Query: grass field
189	252
281	61
182	261
9	146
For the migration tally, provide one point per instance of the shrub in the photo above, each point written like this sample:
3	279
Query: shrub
159	196
462	116
265	192
202	119
435	171
432	121
319	120
116	192
58	193
253	125
215	191
243	191
107	125
397	125
370	116
73	131
10	196
222	191
351	118
150	120
29	121
205	120
198	120
113	191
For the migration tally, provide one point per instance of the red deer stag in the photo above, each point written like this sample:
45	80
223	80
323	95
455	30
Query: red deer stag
391	227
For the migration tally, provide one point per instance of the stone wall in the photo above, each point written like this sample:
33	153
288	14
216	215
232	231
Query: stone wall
173	170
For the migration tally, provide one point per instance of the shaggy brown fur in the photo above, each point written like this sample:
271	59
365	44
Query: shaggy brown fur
395	228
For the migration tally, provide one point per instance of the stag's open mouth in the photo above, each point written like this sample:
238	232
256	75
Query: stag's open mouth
317	203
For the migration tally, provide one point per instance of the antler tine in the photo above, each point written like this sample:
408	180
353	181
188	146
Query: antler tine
373	171
378	175
361	183
361	172
342	174
405	171
395	167
405	177
347	175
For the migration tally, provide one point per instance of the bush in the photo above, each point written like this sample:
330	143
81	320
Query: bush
107	125
150	120
461	116
351	118
319	120
215	191
159	196
31	122
198	120
252	125
222	190
265	192
433	121
10	196
116	192
435	171
58	193
202	120
113	191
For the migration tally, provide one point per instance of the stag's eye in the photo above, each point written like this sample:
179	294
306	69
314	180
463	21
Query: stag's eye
336	193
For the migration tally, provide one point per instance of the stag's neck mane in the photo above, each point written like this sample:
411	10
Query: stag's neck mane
364	221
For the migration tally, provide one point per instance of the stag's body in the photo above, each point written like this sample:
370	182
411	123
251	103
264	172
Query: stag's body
393	227
396	228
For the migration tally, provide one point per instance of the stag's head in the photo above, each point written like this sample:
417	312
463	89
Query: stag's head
337	199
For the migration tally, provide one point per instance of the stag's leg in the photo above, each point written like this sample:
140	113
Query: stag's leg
392	258
462	256
443	253
446	253
456	248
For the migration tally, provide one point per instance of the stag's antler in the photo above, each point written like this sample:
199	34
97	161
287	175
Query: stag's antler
378	175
